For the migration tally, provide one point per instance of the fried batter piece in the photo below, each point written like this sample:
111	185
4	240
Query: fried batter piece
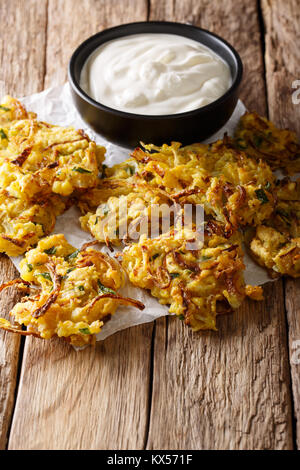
37	158
22	224
198	285
125	210
260	139
232	187
41	166
276	251
276	244
72	293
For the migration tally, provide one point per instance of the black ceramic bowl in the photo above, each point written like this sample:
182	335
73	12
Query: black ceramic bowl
128	129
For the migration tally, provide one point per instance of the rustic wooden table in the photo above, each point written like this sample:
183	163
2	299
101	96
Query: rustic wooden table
157	386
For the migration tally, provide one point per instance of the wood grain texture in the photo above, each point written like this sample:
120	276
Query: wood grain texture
21	72
91	399
70	23
96	399
225	390
282	39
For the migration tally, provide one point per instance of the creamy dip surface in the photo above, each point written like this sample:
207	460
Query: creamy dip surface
155	74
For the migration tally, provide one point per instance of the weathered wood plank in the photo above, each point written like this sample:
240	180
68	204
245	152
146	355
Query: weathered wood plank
91	399
21	72
282	25
225	390
77	21
98	398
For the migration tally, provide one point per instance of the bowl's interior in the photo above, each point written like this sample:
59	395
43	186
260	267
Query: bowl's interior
218	45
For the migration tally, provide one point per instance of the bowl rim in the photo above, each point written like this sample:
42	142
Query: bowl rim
209	107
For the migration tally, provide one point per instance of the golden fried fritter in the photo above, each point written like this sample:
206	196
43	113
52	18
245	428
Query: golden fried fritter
39	158
72	292
276	244
276	251
41	165
22	224
126	210
260	139
198	284
232	187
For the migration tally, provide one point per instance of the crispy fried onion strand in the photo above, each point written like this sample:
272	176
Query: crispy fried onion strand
15	329
121	300
56	279
161	277
15	281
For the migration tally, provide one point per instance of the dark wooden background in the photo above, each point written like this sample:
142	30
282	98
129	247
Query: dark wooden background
157	386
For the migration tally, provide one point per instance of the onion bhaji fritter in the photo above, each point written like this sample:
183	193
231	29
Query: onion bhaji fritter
124	211
70	293
22	224
197	284
37	158
41	166
276	244
260	139
231	186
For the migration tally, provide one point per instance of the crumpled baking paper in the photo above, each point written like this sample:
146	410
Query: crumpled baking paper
55	106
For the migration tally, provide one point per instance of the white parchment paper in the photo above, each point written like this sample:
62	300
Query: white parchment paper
55	106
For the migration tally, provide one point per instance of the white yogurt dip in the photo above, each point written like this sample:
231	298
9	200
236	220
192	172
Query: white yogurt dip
155	74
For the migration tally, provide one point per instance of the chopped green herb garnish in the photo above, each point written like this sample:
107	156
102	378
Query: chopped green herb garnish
29	267
96	220
68	271
50	251
241	144
4	108
261	195
258	140
104	289
130	170
268	185
2	134
181	317
174	275
72	255
45	276
205	258
81	170
81	288
153	257
85	331
283	213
